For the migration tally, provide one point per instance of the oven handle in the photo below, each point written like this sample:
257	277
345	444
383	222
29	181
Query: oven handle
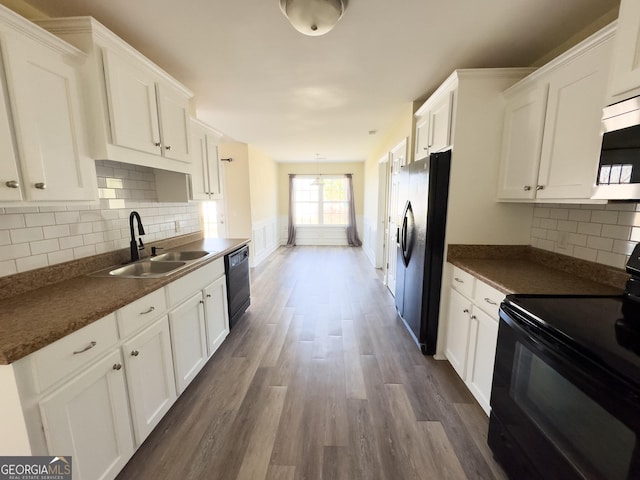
530	332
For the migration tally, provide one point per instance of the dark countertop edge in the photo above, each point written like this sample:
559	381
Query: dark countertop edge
584	269
142	287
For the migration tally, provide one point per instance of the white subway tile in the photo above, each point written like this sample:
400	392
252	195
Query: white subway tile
80	228
8	267
44	246
620	232
621	207
612	259
13	210
5	238
542	212
59	208
39	219
113	204
22	235
589	228
85	251
600	243
67	217
546	244
11	252
567	226
559	213
585	253
552	235
31	263
71	242
60	256
106	193
56	231
580	215
549	224
93	238
8	222
568	250
623	247
90	216
538	233
577	239
629	218
593	207
114	183
604	216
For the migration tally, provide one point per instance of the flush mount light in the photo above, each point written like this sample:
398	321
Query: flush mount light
313	17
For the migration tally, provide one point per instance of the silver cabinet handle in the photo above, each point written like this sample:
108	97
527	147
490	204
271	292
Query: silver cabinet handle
135	353
489	301
202	301
157	144
40	185
458	280
473	317
12	184
540	187
151	309
527	188
88	347
466	310
168	147
208	295
117	366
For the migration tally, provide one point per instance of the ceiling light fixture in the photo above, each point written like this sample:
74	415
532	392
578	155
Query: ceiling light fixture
313	17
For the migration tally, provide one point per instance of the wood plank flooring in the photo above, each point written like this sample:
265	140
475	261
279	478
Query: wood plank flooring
319	380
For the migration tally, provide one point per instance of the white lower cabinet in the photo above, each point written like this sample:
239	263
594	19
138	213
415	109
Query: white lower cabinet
217	314
188	340
88	419
150	378
472	333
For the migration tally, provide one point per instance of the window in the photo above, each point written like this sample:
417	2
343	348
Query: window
325	204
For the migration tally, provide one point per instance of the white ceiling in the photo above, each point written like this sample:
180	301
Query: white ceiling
259	81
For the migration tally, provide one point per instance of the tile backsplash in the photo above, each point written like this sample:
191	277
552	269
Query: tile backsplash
34	237
600	233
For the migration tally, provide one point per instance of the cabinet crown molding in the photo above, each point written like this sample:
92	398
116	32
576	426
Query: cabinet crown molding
9	20
103	37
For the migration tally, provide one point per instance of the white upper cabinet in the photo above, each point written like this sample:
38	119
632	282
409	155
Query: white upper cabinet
624	81
551	139
206	178
138	113
44	154
433	124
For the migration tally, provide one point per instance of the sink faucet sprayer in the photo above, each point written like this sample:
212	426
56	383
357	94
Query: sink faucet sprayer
134	246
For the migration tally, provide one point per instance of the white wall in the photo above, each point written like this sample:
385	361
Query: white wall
34	237
599	233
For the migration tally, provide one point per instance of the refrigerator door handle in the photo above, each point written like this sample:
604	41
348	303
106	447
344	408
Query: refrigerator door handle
405	226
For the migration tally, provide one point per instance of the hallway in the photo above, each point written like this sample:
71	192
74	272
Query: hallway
319	380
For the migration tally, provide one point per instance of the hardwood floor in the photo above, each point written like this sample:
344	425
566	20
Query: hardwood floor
319	380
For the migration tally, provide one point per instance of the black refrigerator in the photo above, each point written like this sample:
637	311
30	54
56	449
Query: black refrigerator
424	192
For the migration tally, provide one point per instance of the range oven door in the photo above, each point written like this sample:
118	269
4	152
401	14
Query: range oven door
555	414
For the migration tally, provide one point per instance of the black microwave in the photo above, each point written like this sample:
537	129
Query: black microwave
619	167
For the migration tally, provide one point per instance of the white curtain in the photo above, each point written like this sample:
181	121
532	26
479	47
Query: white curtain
291	238
352	229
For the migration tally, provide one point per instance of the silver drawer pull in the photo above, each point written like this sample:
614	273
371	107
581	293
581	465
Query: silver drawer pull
135	353
151	309
466	310
473	317
117	366
88	347
489	301
458	280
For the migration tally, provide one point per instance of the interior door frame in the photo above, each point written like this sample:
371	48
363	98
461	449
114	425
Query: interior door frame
384	171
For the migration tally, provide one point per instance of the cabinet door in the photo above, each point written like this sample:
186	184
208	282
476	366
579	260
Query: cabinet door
188	340
522	142
571	145
48	123
213	168
200	170
174	122
10	188
217	314
481	356
131	93
150	378
625	68
88	418
458	332
440	123
422	138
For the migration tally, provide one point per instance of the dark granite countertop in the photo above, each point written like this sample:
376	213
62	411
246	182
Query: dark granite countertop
33	318
525	269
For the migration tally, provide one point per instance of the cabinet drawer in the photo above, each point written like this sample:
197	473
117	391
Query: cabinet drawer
488	298
186	286
463	282
141	312
74	351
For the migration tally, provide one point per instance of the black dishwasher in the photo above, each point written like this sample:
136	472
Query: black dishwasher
236	265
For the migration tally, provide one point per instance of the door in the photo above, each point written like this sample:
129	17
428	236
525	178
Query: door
382	230
571	141
200	170
522	142
48	123
133	111
217	314
440	123
483	336
213	167
149	368
422	138
458	332
625	68
10	181
88	419
174	123
188	340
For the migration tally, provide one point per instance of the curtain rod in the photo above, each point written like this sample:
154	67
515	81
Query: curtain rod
312	174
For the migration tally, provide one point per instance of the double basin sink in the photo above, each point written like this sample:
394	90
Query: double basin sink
156	267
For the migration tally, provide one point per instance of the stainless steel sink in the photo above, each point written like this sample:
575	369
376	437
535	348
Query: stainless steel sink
146	269
185	256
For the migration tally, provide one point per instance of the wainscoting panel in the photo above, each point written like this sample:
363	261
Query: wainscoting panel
264	239
323	235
